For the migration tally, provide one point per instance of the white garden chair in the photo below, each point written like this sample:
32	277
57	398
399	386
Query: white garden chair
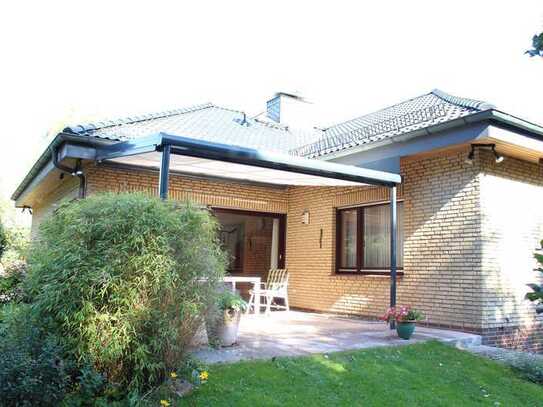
275	287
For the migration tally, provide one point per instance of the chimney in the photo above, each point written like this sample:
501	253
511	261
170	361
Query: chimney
289	109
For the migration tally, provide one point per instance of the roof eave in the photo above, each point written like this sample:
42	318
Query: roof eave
45	158
493	116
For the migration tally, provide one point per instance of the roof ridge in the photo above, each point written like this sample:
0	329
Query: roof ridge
83	128
373	112
461	101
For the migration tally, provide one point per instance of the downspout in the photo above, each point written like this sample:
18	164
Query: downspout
77	171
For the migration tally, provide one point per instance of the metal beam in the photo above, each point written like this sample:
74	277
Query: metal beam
164	172
136	146
70	150
393	249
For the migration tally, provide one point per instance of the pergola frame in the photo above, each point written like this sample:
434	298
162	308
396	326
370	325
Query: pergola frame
170	144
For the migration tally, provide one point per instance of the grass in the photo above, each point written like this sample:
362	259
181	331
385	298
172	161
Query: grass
428	374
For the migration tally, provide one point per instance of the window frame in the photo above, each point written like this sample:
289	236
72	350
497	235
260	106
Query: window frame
359	269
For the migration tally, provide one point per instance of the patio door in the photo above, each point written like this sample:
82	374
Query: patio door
254	241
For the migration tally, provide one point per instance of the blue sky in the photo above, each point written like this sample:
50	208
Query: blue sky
70	61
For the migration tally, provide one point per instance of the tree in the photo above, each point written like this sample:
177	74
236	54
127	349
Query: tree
3	239
537	46
537	289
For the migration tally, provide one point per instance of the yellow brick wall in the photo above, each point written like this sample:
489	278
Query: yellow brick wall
204	192
512	227
66	188
441	251
313	282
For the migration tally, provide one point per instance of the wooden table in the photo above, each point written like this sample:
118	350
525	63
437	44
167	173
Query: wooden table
242	279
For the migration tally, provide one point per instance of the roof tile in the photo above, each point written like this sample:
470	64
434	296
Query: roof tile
416	113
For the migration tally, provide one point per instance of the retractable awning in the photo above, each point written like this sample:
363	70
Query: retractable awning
199	157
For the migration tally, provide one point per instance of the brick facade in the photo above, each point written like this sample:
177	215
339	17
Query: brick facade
467	256
442	250
222	194
512	227
66	188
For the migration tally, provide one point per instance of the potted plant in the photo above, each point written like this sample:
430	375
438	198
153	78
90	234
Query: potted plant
223	322
406	319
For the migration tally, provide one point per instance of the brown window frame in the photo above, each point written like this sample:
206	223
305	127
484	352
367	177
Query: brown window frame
359	269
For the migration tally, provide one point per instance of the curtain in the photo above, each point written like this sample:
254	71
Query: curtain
377	236
348	238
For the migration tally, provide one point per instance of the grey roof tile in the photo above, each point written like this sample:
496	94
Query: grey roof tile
416	113
204	122
213	123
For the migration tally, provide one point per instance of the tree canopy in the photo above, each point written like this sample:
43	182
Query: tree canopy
537	46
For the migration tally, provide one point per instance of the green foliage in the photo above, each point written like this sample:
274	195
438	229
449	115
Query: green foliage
17	241
402	313
11	283
3	239
33	370
414	315
425	374
126	279
228	300
537	46
537	289
528	366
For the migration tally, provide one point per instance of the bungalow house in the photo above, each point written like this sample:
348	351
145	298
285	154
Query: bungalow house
468	205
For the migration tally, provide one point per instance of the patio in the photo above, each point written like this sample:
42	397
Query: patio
297	333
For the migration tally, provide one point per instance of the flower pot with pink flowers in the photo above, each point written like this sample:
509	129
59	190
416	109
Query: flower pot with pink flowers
406	319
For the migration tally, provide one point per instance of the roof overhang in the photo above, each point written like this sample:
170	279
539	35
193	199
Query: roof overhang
320	170
491	116
201	158
66	146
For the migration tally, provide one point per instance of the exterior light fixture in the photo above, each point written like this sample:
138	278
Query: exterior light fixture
305	217
498	158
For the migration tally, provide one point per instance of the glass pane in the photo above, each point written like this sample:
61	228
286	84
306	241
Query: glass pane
232	240
348	238
377	236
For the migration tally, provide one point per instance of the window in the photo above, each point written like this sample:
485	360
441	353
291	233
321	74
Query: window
363	239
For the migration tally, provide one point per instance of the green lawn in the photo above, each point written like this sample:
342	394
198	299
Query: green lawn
430	374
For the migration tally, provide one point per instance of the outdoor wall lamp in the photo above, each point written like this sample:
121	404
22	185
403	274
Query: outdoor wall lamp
497	157
305	217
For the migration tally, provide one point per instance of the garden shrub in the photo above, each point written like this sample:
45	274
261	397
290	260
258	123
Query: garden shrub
16	244
126	280
3	239
536	295
33	370
11	282
529	367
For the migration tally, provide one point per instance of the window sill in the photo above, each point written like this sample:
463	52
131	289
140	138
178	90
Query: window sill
382	273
